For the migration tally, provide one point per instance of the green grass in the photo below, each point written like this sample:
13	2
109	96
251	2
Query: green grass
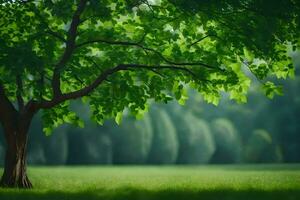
162	182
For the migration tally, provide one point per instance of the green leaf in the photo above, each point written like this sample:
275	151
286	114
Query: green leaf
119	117
47	130
80	123
248	55
183	97
177	33
211	98
270	89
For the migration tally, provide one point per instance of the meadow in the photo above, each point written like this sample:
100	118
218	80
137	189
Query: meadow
161	182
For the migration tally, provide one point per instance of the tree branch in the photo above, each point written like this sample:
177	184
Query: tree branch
124	43
79	93
199	40
27	1
180	63
103	76
138	44
70	46
56	35
7	110
159	67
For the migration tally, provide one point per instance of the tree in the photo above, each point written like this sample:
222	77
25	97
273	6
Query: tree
164	147
261	148
118	54
56	147
196	143
228	145
90	147
132	140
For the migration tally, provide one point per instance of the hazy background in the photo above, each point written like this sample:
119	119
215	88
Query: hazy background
261	131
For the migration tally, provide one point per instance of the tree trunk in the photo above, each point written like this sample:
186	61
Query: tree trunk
15	174
15	124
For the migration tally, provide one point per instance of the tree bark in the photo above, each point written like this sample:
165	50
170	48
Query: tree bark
16	136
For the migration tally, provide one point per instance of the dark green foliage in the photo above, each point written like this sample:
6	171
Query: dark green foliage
44	150
148	50
90	147
56	147
164	148
105	148
284	124
228	146
132	140
196	143
36	155
116	55
262	149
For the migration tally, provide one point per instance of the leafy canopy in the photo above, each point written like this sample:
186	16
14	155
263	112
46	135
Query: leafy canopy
118	54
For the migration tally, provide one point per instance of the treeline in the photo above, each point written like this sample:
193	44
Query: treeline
167	135
259	131
159	138
198	133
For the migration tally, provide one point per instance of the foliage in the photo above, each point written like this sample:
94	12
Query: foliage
261	148
245	118
44	150
278	117
36	155
90	147
164	148
56	51
56	147
283	125
228	146
132	140
196	143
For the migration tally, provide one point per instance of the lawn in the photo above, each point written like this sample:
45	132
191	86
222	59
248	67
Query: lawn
162	182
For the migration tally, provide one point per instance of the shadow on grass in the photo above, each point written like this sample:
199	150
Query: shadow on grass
138	194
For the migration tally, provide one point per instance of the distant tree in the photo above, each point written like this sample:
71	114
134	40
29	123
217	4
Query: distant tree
56	147
261	148
284	124
196	142
36	154
132	140
44	150
118	54
93	146
228	144
164	148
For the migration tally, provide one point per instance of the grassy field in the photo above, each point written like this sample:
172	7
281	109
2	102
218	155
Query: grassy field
162	182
